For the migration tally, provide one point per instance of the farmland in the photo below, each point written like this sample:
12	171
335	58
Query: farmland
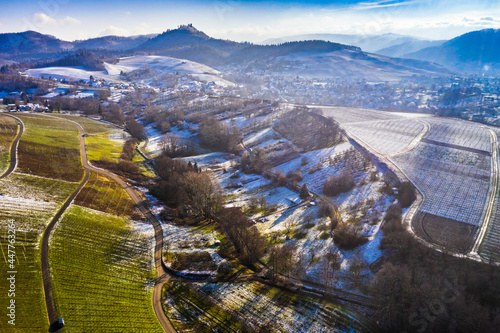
103	272
249	307
50	148
8	130
105	141
31	202
450	165
104	194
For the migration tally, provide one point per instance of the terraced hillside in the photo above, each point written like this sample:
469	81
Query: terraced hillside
448	160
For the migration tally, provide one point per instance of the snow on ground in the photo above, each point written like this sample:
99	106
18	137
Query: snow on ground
260	136
154	137
208	160
68	73
168	65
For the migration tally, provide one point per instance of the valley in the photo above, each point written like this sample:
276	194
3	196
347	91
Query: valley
179	182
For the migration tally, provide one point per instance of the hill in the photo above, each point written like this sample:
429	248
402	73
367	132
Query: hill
475	52
84	59
368	43
112	43
187	42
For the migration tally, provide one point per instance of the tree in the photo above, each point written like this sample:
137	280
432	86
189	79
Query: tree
406	194
304	192
203	193
217	135
135	128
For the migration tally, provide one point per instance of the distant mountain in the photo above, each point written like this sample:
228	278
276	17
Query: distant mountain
368	43
112	43
408	46
346	63
475	52
187	42
318	58
31	41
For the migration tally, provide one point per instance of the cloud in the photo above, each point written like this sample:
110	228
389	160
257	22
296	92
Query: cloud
70	20
42	19
112	30
383	4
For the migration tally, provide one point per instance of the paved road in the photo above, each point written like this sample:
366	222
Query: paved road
491	197
138	199
46	279
13	149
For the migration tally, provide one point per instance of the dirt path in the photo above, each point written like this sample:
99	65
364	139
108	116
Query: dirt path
13	149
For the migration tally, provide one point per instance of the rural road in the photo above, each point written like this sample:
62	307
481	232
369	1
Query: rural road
136	196
491	197
13	149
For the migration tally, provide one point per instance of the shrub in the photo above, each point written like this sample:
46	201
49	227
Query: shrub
338	184
347	237
406	194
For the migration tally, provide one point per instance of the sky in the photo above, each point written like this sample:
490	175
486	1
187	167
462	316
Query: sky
253	21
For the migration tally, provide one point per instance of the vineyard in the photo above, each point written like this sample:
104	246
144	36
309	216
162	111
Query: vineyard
50	148
387	137
451	166
31	202
250	307
104	194
353	115
102	273
459	133
8	130
454	191
105	141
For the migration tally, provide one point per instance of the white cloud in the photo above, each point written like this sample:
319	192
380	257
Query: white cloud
70	20
112	30
42	19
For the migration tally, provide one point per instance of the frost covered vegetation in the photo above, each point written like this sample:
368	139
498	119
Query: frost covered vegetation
31	202
102	273
50	148
251	307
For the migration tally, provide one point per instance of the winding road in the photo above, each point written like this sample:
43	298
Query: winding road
13	148
137	197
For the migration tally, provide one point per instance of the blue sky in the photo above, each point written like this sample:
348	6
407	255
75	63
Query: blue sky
250	20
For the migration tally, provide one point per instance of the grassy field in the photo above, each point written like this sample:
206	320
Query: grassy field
105	141
31	202
50	148
104	194
102	273
8	130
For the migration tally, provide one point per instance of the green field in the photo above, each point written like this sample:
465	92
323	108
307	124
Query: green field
102	273
31	202
50	148
8	130
104	194
105	141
